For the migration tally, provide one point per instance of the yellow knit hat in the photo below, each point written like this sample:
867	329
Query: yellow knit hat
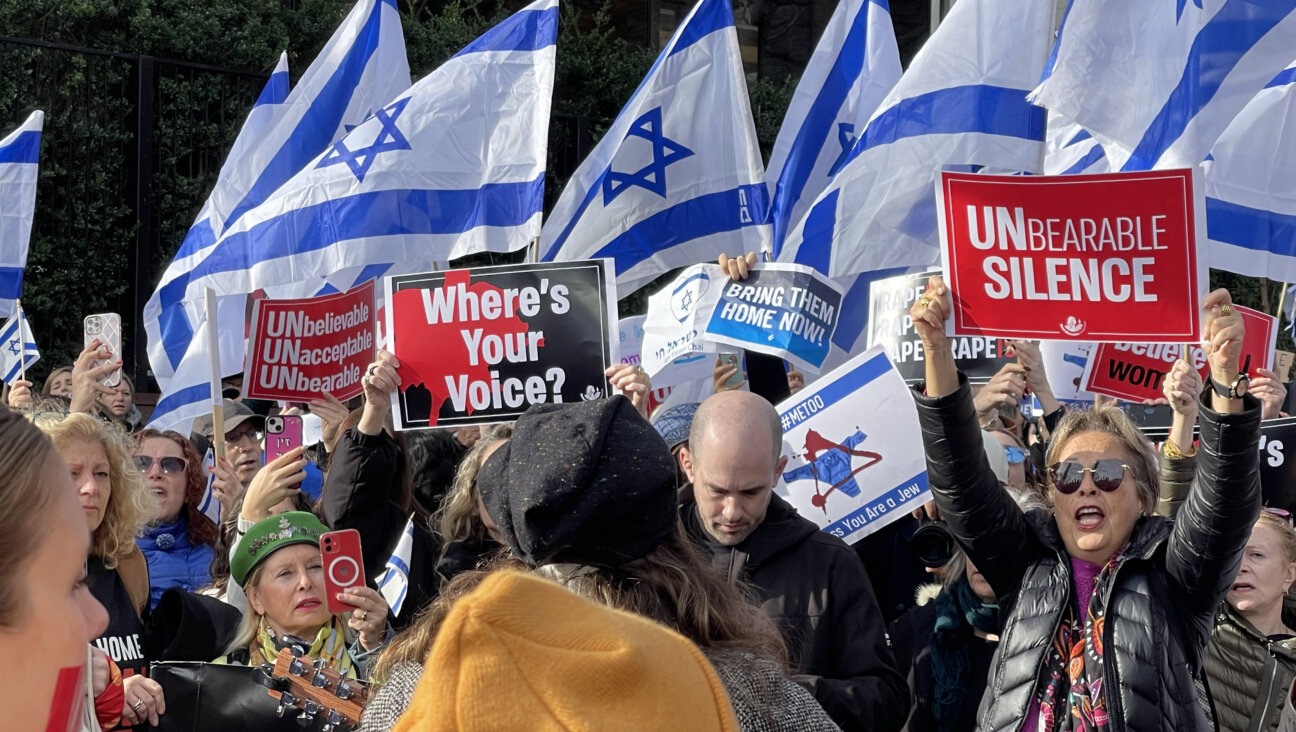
521	653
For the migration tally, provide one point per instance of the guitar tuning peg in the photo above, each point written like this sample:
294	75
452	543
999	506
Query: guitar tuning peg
319	664
344	690
296	667
332	721
285	700
309	710
296	650
319	680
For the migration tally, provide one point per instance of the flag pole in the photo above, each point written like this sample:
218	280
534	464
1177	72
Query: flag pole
1282	298
22	342
213	354
535	249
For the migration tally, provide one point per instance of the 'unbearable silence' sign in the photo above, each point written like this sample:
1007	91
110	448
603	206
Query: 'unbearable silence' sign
482	345
891	327
1073	257
302	349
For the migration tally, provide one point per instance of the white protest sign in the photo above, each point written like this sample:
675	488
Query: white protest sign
685	368
672	328
855	451
1064	363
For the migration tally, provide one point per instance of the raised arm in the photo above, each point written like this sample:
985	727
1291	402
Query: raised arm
979	511
1182	388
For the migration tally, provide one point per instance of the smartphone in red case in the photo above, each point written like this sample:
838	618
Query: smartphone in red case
343	566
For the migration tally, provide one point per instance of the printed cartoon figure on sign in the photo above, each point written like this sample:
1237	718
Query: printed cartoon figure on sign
830	462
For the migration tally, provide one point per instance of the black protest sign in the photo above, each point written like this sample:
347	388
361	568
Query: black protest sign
891	327
1277	473
482	345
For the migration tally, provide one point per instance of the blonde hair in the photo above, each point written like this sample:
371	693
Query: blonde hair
1111	421
23	500
1282	527
250	625
458	517
129	504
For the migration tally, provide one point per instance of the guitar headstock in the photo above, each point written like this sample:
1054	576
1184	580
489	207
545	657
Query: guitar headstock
301	682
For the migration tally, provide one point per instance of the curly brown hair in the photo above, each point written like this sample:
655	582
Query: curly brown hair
201	529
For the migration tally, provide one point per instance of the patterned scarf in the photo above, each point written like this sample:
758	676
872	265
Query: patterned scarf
330	644
1073	670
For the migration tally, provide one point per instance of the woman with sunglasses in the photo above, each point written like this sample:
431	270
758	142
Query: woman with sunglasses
178	542
1106	609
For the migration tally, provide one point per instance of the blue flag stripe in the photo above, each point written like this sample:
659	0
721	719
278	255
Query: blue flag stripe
1284	77
275	91
399	564
181	397
1053	53
817	234
1216	50
24	149
711	16
818	126
11	281
375	214
320	120
1094	155
1251	228
529	30
709	214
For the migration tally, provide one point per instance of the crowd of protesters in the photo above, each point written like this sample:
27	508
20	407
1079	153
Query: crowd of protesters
594	566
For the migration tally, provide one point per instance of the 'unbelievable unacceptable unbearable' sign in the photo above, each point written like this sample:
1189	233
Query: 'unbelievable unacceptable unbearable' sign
482	345
1074	257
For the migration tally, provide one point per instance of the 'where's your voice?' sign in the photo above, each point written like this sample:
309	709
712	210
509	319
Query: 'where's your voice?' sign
482	345
890	326
1074	257
855	456
784	310
300	350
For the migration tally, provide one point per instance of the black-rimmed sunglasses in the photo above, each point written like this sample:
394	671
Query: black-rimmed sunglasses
1108	474
168	464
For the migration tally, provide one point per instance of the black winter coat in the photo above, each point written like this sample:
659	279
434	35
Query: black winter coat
816	590
360	492
1165	592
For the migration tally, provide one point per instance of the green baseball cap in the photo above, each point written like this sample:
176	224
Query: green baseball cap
269	535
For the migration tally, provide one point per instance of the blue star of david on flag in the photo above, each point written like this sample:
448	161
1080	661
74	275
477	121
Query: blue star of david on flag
653	175
1183	4
14	346
389	138
832	467
846	138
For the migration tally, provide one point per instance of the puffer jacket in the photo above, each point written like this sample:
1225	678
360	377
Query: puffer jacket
1249	674
1171	579
173	560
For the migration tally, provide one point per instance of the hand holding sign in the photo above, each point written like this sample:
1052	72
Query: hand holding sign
379	381
630	379
1182	386
737	267
1269	389
1224	331
929	314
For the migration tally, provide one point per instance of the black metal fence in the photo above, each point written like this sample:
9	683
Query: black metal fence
132	146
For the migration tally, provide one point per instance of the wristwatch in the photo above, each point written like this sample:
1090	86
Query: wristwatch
1235	390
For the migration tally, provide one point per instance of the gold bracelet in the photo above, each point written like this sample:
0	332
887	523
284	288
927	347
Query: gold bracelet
1171	450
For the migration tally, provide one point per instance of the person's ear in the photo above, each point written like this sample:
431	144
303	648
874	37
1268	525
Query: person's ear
254	599
778	467
686	462
1289	577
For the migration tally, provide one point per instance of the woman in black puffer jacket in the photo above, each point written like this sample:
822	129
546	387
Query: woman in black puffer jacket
1107	610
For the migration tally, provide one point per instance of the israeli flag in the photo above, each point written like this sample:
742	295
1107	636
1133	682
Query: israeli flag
961	104
1069	149
454	166
362	67
19	157
678	177
191	393
853	68
393	583
1156	83
17	348
1250	182
209	506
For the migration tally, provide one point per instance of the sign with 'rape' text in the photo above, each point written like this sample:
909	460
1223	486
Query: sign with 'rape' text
1074	257
300	350
1136	371
482	345
855	457
784	310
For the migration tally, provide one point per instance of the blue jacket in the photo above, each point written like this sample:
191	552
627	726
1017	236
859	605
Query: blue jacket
173	561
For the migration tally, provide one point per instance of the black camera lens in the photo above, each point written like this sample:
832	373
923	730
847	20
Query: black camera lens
933	544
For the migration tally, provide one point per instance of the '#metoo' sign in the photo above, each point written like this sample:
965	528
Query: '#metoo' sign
1073	257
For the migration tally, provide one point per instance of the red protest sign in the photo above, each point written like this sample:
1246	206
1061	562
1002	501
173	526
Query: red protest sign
1073	257
301	349
1135	371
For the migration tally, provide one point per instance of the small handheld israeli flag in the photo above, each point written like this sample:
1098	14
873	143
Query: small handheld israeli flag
209	506
17	347
393	583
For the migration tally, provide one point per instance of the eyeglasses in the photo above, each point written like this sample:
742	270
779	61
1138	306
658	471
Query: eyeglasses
169	465
232	438
1107	475
1281	513
1015	455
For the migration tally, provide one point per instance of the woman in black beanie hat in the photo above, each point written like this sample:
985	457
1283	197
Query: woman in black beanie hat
584	494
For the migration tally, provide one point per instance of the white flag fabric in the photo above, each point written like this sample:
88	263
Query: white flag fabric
19	159
17	347
1250	182
678	177
853	68
961	104
209	506
393	583
190	394
1156	83
454	166
361	67
1069	149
